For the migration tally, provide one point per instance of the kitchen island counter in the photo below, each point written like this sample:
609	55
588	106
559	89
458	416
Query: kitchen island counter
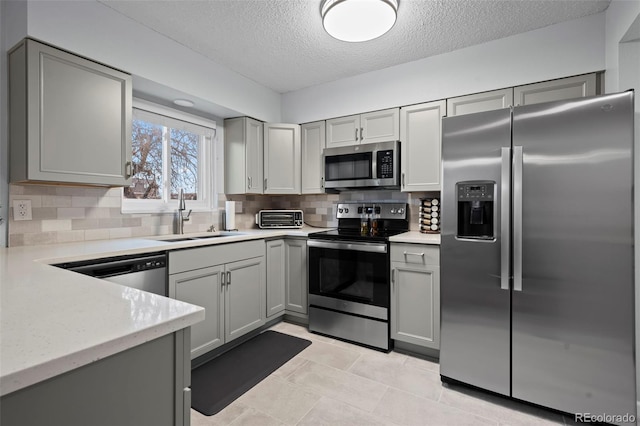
54	321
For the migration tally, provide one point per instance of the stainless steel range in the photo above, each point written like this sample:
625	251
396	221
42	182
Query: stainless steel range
349	282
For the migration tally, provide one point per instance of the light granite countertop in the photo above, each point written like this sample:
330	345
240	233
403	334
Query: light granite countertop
53	320
416	237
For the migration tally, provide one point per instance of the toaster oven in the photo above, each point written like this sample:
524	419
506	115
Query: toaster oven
280	219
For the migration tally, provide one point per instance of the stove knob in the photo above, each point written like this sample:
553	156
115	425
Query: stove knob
400	210
393	211
339	210
346	210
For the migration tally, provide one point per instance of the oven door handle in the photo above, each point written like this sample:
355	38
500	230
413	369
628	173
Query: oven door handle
366	247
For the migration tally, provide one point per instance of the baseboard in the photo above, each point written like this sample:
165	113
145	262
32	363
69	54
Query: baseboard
411	349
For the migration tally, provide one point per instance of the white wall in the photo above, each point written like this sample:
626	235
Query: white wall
561	50
619	17
91	29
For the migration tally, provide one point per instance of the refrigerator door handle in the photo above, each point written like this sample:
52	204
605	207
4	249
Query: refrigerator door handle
505	232
517	218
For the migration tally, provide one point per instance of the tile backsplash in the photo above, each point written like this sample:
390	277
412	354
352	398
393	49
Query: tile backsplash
66	214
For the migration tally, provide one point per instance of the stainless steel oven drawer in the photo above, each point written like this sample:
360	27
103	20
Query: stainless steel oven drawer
349	327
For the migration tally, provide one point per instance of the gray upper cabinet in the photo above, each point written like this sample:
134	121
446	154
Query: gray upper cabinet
243	159
372	127
546	91
480	102
555	90
70	118
421	134
281	158
313	142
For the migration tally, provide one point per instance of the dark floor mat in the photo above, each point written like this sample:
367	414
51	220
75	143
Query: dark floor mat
219	382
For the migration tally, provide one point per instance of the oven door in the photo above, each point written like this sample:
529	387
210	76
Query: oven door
349	271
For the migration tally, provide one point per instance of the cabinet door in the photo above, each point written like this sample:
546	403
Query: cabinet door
281	158
78	118
244	297
254	155
312	141
380	126
296	278
243	166
343	131
415	304
276	265
202	287
480	102
556	90
421	135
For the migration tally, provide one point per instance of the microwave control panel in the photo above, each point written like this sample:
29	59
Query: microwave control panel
384	164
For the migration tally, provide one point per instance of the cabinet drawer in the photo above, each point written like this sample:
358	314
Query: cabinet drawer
415	254
202	257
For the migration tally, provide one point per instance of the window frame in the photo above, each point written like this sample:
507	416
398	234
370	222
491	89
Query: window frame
206	166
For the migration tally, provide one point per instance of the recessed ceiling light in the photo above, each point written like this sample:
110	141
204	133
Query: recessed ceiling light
358	20
183	102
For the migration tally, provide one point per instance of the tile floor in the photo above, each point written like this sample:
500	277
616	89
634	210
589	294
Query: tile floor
335	383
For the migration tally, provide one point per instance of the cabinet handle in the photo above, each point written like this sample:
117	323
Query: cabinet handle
321	182
265	184
393	275
356	134
229	278
248	182
223	280
128	169
361	133
407	253
403	180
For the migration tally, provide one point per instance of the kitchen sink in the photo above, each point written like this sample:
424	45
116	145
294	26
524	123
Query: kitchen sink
178	238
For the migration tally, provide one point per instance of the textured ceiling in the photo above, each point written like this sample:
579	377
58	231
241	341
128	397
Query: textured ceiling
281	43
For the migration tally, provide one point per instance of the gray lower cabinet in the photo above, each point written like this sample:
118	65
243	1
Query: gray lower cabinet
69	118
415	294
203	287
276	267
287	291
228	280
147	385
296	277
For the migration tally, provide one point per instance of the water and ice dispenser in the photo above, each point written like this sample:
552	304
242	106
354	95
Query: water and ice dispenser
475	210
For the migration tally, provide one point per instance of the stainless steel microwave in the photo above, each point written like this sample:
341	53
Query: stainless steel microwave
280	219
374	165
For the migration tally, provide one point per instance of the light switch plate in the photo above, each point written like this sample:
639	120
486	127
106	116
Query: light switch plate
22	210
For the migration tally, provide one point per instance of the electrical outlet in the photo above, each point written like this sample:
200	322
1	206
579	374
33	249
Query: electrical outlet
22	210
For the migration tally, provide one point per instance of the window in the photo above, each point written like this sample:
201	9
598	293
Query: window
171	151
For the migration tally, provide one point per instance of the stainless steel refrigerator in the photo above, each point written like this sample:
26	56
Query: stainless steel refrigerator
537	273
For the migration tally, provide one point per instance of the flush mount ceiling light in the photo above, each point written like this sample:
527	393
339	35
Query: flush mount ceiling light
358	20
184	102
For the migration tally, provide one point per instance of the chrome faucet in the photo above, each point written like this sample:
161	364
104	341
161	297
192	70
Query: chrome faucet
181	217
